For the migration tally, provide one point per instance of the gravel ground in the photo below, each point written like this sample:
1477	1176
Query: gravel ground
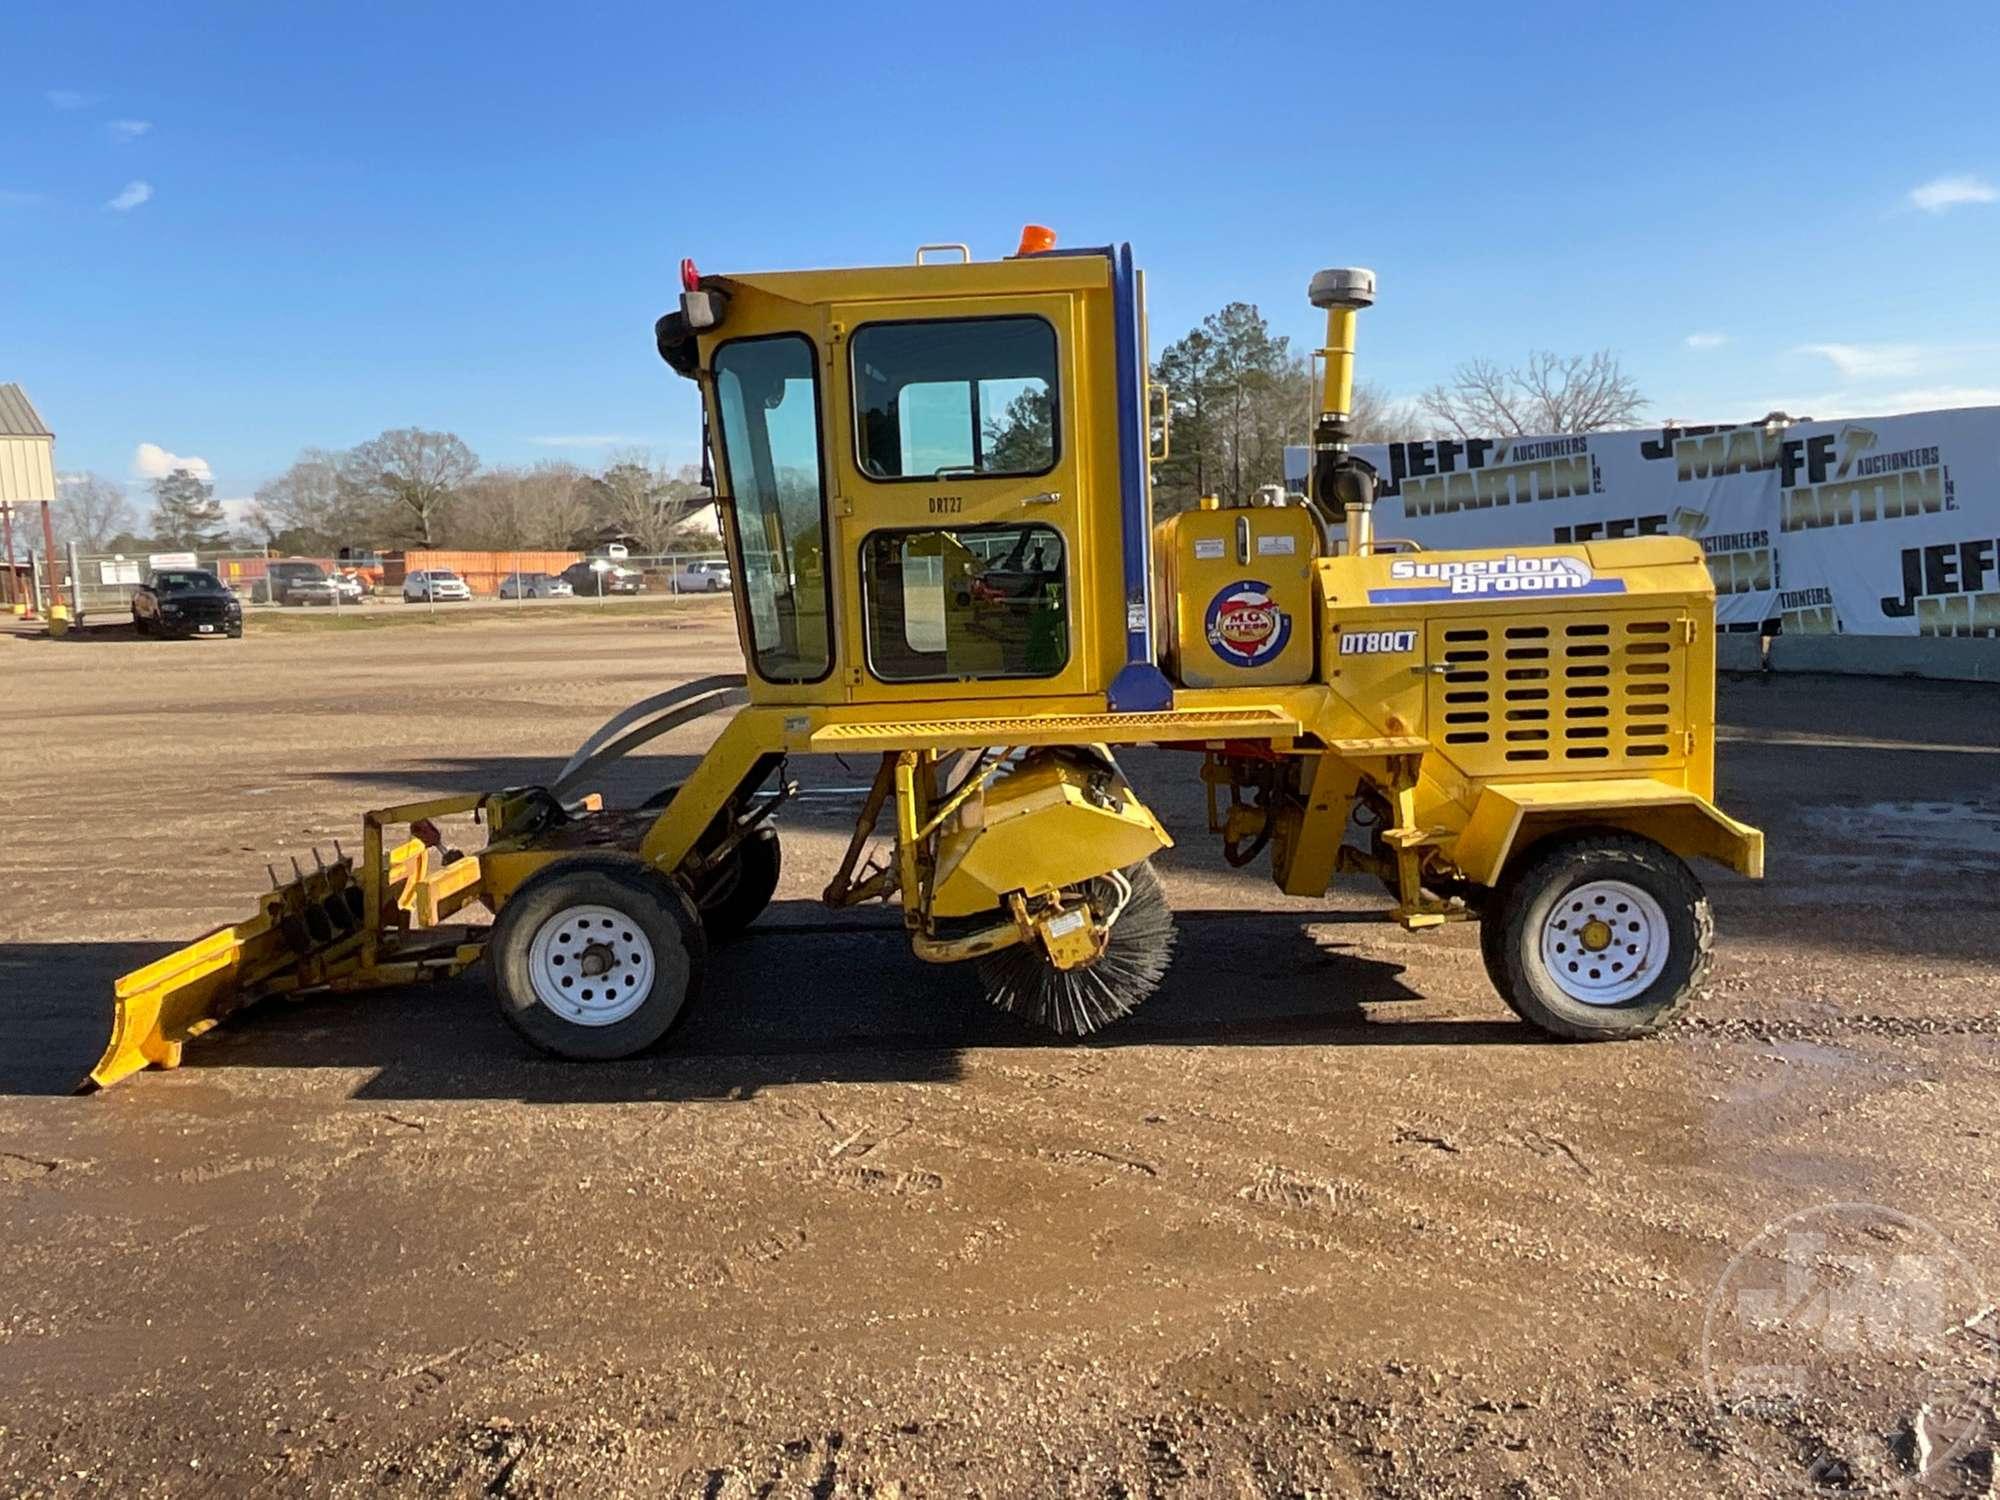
1322	1218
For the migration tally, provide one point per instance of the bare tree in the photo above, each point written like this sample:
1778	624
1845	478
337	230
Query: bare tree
91	510
1547	394
646	501
310	507
515	509
1377	418
413	475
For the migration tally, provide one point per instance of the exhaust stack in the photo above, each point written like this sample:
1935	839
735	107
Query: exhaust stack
1338	478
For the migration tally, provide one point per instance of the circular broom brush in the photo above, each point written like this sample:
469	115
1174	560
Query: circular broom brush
1076	1002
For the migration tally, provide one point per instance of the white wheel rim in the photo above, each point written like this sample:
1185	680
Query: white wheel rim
591	965
1605	942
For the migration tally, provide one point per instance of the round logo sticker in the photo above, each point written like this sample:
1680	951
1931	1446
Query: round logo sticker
1245	627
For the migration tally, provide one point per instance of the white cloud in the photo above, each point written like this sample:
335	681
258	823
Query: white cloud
1942	193
586	440
127	130
69	98
151	461
130	197
1869	361
1706	340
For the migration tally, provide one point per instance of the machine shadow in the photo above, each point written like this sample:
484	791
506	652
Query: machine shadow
799	999
626	781
56	998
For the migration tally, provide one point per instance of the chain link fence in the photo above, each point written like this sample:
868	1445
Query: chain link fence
102	584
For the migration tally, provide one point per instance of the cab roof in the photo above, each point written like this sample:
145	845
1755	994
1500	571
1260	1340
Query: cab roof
1056	271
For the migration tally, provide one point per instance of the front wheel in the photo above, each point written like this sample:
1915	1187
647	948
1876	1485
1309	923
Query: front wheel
1598	937
596	957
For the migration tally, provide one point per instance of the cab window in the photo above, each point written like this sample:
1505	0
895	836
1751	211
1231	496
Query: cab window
767	394
973	602
955	397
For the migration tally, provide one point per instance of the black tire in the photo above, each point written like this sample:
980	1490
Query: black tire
141	626
1526	901
740	890
654	905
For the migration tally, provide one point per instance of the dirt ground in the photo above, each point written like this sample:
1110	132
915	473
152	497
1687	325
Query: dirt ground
1323	1218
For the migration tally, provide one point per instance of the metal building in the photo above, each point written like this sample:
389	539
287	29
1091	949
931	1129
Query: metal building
27	451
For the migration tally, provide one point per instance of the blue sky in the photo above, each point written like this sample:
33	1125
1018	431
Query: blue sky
228	232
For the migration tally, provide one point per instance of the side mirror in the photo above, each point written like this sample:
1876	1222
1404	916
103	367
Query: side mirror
675	341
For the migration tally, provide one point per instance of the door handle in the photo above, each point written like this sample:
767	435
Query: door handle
1046	497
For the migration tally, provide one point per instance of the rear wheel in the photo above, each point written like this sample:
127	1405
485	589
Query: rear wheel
1598	937
596	957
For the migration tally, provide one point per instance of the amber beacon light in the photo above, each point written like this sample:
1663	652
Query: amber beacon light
1035	238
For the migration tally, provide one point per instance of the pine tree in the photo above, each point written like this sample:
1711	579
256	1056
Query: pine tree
186	514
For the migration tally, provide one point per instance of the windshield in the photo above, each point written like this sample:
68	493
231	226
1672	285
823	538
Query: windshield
180	583
767	397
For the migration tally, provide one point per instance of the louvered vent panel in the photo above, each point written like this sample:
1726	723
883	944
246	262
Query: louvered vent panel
1569	692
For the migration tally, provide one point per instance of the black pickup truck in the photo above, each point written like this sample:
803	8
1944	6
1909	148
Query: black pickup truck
186	601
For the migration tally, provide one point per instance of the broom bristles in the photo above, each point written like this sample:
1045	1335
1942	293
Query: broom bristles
1076	1002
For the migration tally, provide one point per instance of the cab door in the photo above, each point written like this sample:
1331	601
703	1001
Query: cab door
955	456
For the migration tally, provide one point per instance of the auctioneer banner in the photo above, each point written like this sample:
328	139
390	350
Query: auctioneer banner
1877	526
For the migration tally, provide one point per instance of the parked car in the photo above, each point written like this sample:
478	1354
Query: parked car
596	576
184	602
296	583
702	578
534	586
435	585
351	586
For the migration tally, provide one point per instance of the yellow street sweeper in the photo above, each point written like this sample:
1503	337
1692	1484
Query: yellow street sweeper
936	484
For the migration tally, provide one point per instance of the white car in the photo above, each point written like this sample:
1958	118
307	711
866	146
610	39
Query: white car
702	578
435	585
534	586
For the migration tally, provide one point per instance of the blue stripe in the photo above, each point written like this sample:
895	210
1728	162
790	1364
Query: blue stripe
1139	686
